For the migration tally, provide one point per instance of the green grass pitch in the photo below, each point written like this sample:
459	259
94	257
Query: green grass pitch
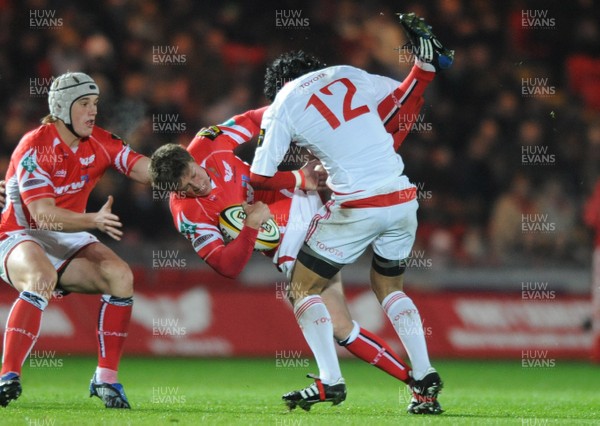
166	391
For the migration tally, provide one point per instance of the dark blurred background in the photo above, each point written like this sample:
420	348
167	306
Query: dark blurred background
505	151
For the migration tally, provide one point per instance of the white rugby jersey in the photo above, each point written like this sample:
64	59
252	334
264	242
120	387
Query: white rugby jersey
333	113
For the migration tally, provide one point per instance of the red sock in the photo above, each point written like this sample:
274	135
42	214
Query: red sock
374	350
113	322
22	330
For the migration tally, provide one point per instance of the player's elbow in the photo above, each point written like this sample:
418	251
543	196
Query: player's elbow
223	268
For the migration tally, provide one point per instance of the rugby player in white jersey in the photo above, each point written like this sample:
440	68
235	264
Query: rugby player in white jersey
332	112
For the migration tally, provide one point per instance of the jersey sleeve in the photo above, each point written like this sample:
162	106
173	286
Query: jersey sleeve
273	142
228	260
237	130
34	175
122	157
382	86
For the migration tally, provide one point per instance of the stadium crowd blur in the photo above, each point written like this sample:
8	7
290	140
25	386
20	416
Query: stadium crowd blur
504	152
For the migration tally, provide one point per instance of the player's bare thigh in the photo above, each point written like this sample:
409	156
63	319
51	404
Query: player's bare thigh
30	270
97	269
334	299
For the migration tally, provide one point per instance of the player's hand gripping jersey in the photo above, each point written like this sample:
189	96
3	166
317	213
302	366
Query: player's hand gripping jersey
43	166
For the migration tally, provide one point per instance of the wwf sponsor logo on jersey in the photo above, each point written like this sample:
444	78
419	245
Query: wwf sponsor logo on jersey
71	188
210	132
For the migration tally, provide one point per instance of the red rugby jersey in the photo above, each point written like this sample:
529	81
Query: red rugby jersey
44	166
197	218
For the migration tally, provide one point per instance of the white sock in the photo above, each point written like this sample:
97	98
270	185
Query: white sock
315	322
106	375
405	317
424	65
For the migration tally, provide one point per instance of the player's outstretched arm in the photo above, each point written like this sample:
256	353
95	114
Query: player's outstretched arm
47	216
140	171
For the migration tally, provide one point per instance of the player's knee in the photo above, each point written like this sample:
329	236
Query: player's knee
40	280
119	279
342	327
387	267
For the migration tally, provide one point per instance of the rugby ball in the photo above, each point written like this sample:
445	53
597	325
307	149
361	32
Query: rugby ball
231	222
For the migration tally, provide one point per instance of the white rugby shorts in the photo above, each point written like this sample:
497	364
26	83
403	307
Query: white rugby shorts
60	247
302	209
386	219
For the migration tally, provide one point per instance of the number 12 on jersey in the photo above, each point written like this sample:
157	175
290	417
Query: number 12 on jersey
348	112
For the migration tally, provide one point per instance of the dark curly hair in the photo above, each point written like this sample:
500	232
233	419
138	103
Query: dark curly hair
288	67
167	166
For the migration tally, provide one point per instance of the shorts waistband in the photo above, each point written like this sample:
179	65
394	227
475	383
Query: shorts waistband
382	200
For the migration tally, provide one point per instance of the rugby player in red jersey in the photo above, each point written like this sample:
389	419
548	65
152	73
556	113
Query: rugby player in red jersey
44	243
